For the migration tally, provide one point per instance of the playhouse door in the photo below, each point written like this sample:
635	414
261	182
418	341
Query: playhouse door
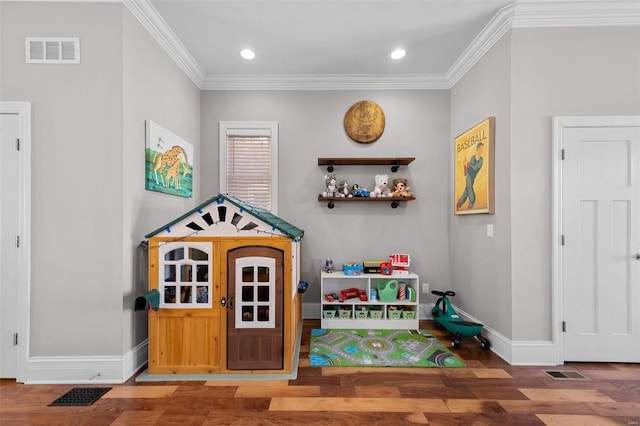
255	282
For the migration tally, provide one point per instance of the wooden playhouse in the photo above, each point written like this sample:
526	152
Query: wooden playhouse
227	276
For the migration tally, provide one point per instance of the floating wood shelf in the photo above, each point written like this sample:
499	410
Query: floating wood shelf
395	201
394	162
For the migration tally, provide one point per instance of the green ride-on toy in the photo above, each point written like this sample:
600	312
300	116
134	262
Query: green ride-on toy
446	317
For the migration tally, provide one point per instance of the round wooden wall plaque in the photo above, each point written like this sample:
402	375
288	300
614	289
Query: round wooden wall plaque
364	122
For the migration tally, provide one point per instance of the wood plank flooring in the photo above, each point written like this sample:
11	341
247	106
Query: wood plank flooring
487	392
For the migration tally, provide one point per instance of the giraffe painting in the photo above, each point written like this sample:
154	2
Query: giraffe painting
167	162
171	159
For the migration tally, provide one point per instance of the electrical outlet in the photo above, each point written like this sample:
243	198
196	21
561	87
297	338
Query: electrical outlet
425	287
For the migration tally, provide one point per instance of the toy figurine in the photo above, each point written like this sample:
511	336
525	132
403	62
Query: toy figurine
400	188
359	192
330	185
328	266
381	189
343	189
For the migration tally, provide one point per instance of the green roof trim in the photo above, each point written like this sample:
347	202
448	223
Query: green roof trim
264	215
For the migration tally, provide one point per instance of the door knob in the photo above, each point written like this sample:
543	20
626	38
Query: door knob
223	301
637	256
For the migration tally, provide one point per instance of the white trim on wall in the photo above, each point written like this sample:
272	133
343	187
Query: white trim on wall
23	111
86	370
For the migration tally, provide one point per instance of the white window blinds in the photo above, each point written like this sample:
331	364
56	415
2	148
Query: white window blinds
249	163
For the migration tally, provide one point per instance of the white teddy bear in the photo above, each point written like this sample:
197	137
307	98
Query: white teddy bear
381	189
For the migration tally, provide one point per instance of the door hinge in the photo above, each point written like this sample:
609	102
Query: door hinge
564	326
562	154
562	240
18	144
18	241
15	339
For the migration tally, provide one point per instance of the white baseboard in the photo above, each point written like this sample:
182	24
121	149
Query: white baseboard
519	352
534	353
134	360
86	370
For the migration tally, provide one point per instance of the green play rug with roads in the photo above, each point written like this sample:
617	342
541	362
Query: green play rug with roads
379	348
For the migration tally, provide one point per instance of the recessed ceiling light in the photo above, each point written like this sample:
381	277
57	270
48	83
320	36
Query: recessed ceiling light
398	54
247	54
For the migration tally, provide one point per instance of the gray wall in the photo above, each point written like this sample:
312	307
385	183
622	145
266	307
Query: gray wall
154	88
561	71
310	126
89	206
530	76
77	174
481	266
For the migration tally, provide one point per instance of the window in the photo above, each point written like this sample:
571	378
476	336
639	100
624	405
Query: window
185	275
256	287
249	162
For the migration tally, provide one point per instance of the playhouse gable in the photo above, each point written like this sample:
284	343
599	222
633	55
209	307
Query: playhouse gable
224	215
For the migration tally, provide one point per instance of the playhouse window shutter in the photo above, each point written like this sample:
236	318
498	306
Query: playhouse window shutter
249	166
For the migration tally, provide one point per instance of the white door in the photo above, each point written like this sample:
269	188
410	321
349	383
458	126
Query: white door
9	229
600	254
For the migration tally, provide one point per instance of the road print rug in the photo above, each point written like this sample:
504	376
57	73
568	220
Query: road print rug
379	348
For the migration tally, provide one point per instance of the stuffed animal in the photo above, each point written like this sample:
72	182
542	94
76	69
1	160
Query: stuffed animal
400	188
343	189
356	191
331	186
381	189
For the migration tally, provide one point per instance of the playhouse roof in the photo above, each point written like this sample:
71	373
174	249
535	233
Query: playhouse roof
202	218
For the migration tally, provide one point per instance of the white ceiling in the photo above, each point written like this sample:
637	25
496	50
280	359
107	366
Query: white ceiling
327	36
344	43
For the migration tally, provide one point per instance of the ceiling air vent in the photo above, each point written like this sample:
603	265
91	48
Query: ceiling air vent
49	50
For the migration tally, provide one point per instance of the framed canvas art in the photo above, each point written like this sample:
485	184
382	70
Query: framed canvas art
168	162
474	170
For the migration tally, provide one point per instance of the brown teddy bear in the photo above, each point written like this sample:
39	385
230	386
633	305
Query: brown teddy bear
400	188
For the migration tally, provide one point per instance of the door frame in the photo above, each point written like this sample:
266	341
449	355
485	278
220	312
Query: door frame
23	111
559	124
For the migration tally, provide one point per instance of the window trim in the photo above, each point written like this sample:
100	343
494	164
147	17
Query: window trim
194	283
270	128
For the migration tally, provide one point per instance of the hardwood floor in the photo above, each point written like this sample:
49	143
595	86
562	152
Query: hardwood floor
487	392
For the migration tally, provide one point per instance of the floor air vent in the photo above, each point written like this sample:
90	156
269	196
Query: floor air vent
565	375
48	50
80	396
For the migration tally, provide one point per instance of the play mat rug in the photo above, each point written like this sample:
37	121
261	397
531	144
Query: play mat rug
379	348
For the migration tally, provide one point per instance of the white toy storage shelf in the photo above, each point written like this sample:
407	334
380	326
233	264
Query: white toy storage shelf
370	314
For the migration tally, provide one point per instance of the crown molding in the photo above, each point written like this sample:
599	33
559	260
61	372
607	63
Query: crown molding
519	14
326	82
151	20
543	14
499	25
575	13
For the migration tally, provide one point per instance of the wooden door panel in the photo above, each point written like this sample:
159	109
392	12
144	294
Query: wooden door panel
253	345
189	342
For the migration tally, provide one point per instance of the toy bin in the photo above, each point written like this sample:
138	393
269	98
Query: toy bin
394	312
376	313
387	291
328	313
408	313
345	313
360	312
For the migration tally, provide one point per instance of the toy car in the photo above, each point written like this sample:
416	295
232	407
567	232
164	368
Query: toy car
446	317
